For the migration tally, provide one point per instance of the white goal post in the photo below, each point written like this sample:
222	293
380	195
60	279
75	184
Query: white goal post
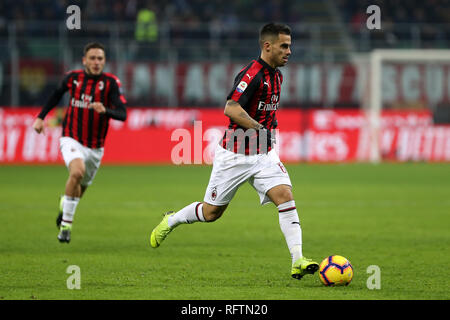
373	103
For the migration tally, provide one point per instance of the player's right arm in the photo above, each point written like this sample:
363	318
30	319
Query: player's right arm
237	114
245	85
38	124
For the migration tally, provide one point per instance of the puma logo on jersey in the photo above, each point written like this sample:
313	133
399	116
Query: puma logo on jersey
249	77
267	84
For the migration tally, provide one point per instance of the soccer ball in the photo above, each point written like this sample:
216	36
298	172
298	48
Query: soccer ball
335	271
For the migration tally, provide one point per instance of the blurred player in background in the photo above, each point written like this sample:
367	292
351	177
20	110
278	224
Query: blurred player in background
95	97
251	107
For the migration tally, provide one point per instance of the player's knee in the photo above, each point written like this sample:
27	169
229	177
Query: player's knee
77	169
280	194
286	195
77	174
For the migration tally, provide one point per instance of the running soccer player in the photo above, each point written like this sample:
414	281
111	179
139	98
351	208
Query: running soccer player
95	97
251	107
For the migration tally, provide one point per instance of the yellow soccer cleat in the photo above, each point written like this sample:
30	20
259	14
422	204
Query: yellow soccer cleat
64	233
161	231
302	267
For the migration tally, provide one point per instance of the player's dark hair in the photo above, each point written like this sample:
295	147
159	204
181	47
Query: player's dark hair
93	45
272	30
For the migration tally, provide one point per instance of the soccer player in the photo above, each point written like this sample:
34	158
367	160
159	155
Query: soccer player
251	107
95	97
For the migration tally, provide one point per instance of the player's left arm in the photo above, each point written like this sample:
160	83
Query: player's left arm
117	100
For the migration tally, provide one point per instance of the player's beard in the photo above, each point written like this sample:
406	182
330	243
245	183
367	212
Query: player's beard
93	72
283	60
280	60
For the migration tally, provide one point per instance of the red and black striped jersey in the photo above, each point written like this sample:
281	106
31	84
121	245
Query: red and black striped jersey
80	122
257	89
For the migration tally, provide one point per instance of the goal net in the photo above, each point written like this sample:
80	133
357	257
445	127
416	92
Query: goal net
403	82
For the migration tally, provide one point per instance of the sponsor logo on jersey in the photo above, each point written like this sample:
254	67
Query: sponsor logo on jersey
273	105
84	102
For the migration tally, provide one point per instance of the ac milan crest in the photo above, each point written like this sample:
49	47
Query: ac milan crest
214	193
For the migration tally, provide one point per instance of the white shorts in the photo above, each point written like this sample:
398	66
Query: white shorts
72	149
231	170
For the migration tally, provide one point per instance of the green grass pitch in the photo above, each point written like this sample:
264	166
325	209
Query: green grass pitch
395	216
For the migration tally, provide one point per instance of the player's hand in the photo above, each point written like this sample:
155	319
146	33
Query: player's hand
98	106
38	125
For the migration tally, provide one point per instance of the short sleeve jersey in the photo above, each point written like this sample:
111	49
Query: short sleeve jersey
257	89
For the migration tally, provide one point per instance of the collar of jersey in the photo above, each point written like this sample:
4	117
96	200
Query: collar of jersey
265	64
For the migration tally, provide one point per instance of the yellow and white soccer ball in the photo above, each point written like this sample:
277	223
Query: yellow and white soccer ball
335	271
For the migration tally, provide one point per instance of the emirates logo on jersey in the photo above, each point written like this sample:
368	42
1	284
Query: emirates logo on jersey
273	105
84	102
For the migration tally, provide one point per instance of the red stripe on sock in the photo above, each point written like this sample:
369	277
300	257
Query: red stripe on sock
196	210
288	209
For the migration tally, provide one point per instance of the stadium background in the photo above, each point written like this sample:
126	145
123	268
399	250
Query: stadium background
177	60
176	72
